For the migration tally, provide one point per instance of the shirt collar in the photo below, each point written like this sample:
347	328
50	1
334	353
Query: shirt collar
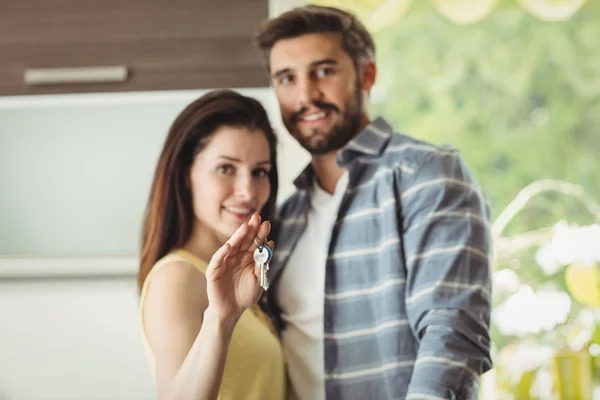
304	180
370	141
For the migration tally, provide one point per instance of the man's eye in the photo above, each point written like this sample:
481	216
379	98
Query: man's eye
324	72
285	80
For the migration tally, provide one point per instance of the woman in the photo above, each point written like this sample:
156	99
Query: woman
205	335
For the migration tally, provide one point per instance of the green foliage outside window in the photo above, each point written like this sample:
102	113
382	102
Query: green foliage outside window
518	96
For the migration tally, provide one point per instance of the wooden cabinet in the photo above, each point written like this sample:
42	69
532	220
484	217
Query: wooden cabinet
175	44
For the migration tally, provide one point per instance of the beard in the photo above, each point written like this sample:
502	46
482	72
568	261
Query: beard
320	141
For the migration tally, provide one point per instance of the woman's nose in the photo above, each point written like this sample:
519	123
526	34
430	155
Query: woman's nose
245	188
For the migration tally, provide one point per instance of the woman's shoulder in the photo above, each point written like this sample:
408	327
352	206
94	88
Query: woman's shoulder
179	271
174	291
172	299
181	257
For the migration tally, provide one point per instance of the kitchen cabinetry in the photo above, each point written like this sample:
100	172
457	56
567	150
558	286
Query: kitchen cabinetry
129	45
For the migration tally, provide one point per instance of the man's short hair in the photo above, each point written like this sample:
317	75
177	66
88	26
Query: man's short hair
354	37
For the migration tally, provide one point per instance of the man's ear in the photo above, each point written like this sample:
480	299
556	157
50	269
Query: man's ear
368	75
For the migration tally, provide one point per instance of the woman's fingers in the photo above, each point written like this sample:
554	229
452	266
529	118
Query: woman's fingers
238	237
243	259
257	272
271	245
254	224
261	234
218	259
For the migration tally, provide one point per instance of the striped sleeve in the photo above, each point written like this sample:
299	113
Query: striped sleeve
447	246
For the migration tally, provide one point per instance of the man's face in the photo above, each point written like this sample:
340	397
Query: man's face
318	89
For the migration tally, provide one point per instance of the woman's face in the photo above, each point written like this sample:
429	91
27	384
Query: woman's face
229	180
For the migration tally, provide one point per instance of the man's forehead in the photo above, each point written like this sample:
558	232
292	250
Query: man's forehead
303	51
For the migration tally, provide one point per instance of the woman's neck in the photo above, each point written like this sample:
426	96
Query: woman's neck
203	243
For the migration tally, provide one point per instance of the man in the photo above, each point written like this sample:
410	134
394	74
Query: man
381	274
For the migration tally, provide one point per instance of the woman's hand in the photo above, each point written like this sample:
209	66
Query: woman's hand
232	275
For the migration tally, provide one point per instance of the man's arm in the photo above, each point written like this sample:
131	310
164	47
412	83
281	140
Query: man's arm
447	245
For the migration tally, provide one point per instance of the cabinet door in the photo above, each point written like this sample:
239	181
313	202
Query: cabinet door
174	44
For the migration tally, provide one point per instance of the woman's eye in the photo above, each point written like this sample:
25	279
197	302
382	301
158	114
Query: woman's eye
260	173
225	170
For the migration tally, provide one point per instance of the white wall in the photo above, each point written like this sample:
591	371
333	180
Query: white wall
75	172
76	167
71	340
277	7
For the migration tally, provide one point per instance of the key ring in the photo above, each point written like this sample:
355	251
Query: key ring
260	246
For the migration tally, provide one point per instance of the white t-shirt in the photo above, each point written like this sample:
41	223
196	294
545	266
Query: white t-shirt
301	295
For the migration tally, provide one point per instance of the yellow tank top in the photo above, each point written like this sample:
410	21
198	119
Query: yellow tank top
254	369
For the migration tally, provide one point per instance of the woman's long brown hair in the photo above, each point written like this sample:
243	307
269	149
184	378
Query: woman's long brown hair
169	216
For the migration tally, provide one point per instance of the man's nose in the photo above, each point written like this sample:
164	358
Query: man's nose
308	92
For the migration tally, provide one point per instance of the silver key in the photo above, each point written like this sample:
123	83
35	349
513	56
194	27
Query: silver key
262	256
265	278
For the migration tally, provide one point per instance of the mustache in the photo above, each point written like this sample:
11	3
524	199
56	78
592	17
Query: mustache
318	104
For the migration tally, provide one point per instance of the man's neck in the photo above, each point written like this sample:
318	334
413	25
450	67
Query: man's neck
327	171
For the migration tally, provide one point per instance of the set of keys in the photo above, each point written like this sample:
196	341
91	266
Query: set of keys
262	256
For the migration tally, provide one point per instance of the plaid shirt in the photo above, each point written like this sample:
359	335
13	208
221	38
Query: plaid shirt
407	283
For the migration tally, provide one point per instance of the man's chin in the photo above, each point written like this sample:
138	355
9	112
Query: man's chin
311	141
314	147
321	150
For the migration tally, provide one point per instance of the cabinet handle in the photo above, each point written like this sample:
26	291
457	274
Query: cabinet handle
54	76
